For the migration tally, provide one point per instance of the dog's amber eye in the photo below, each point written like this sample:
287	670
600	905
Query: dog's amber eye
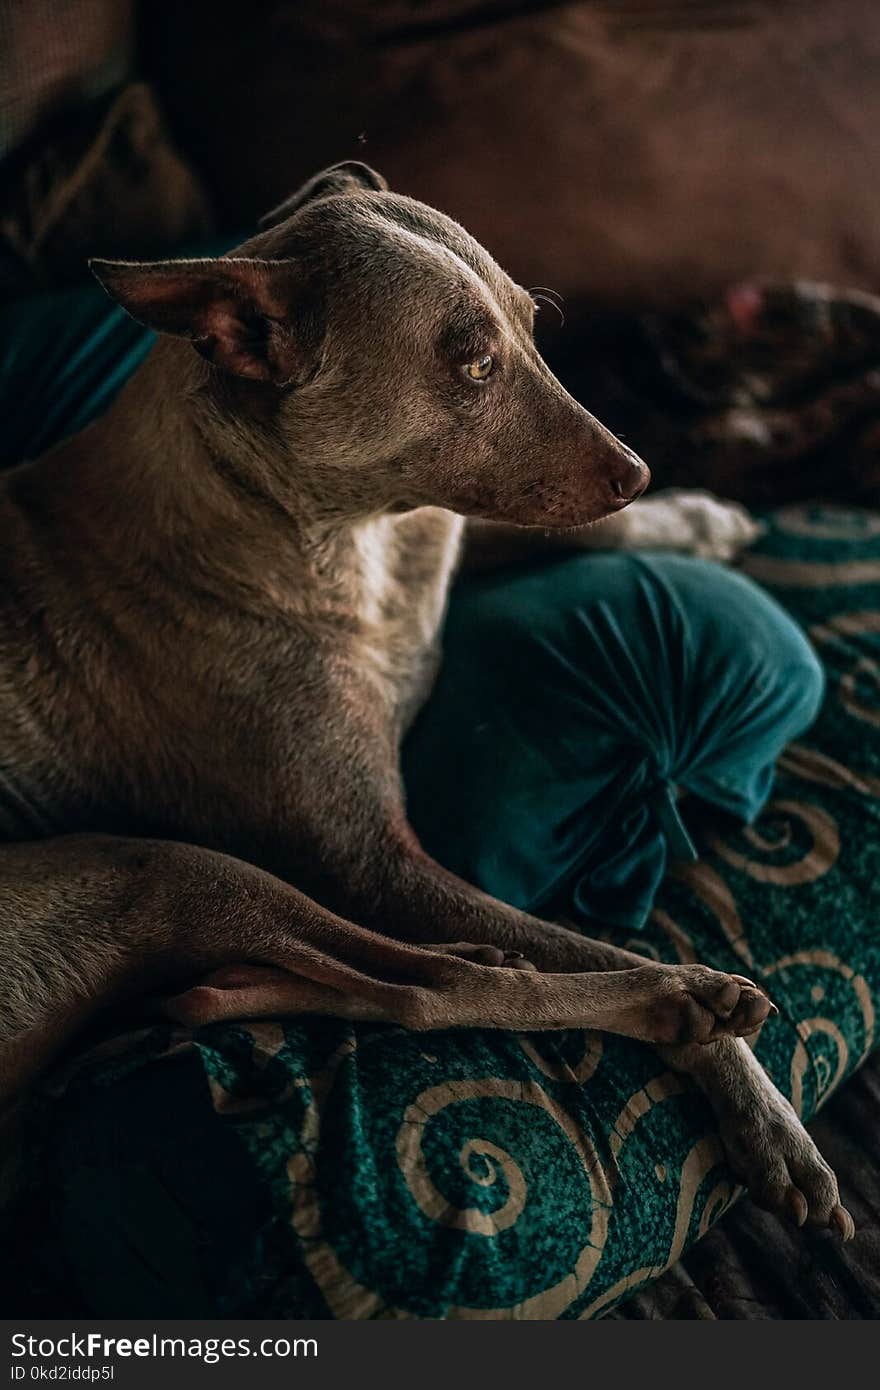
480	368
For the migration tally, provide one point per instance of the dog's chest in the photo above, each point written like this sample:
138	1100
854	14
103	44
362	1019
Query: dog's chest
403	567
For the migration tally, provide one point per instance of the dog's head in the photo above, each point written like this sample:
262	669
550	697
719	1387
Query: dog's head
377	352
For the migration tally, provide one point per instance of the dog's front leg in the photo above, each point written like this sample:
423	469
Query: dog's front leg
94	922
393	886
766	1143
91	922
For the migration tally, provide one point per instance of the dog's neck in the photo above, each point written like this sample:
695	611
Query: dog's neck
158	486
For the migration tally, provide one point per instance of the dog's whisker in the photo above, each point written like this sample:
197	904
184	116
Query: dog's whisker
553	305
545	289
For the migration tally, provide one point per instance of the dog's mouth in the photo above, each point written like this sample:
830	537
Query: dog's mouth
568	513
618	501
573	498
556	511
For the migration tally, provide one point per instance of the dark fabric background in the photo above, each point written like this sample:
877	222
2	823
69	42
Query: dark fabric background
622	151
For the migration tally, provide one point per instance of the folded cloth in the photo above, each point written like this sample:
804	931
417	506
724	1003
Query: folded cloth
575	699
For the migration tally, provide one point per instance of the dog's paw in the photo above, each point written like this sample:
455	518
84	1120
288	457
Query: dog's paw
785	1173
695	523
694	1004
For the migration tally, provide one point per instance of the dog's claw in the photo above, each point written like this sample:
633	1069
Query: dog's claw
796	1204
841	1219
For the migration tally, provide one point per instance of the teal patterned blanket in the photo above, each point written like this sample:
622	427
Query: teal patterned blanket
313	1168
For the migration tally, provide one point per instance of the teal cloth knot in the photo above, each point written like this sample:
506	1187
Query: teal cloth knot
661	672
663	802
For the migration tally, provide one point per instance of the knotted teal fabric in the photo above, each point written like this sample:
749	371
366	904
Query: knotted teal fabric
574	701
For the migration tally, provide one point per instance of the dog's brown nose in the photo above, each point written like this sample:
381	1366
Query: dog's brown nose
630	475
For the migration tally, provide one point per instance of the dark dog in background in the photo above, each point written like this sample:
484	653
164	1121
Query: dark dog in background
219	609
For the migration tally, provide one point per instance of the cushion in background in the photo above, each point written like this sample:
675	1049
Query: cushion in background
768	393
105	181
621	151
57	54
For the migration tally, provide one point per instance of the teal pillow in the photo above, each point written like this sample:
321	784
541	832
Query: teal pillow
576	700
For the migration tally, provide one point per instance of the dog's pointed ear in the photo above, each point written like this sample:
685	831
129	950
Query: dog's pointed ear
234	309
349	177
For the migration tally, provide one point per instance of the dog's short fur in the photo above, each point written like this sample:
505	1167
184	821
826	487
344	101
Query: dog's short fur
219	607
